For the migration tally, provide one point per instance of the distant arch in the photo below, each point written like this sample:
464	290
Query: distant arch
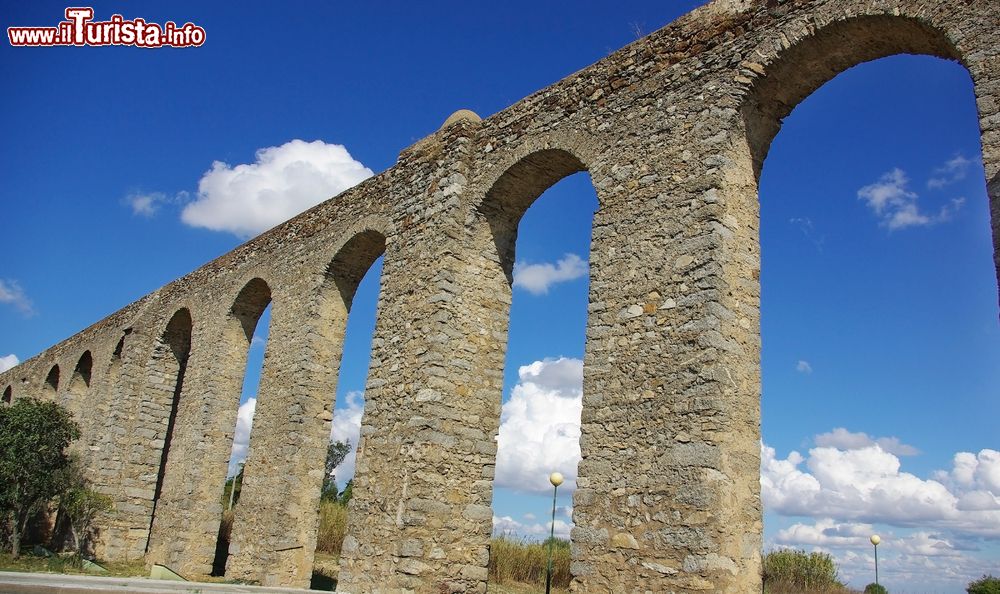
52	380
8	395
84	368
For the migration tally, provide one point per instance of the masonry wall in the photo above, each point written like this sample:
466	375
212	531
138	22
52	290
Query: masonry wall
673	130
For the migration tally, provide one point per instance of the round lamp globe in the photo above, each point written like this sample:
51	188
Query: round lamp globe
875	539
556	478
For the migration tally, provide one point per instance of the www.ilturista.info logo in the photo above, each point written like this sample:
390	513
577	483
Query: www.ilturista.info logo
80	29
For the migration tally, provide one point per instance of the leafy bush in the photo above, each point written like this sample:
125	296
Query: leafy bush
984	585
875	589
796	571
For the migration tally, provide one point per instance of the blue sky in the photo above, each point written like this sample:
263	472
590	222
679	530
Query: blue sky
879	298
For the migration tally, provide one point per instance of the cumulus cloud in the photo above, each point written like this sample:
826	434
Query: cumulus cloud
508	526
896	206
953	170
283	181
864	483
241	437
843	439
540	426
8	362
803	367
537	278
12	293
346	426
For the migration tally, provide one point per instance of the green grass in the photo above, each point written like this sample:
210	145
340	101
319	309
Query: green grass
67	564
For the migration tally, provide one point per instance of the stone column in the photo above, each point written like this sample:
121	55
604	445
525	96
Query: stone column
420	519
668	488
274	531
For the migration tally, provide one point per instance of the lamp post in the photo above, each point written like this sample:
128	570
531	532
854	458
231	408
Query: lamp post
875	539
556	479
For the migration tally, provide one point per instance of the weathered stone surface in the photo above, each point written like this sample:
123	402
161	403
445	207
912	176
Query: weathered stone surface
673	130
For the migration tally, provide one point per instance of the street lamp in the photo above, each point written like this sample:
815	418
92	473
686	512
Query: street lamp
875	539
556	479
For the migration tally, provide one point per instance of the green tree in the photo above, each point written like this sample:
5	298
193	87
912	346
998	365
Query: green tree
875	589
347	493
229	496
34	436
335	454
984	585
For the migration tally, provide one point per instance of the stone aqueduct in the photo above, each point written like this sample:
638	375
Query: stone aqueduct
673	130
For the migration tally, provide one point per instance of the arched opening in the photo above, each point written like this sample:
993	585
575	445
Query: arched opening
540	213
83	368
8	395
243	340
878	300
165	383
79	383
349	302
52	381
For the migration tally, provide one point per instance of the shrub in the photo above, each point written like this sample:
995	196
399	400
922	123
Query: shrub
795	571
984	585
875	589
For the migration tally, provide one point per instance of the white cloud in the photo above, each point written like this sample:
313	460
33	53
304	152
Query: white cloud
508	526
803	367
284	180
540	426
241	437
953	170
537	278
12	293
865	484
843	439
8	362
346	426
896	205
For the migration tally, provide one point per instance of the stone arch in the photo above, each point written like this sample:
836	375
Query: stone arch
267	504
510	195
84	369
8	395
52	380
812	60
79	384
164	384
790	71
237	337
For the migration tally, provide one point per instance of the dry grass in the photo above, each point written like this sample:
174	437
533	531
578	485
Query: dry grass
522	562
332	527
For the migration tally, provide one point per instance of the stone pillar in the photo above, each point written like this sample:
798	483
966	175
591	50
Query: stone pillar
983	61
420	519
668	488
274	531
